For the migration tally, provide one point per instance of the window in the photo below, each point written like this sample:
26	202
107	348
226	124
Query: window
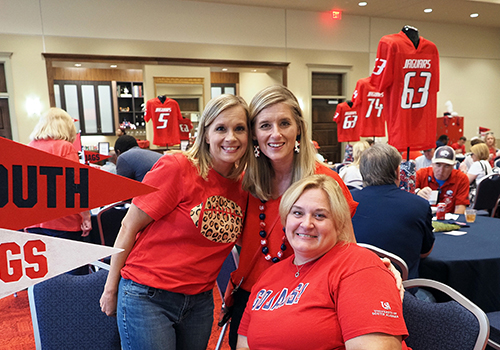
89	102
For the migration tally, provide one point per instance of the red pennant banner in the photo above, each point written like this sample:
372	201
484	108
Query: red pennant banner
94	157
36	186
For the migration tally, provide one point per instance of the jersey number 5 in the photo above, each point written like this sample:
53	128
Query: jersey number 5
408	92
163	119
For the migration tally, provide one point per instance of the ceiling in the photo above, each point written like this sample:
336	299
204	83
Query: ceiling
443	11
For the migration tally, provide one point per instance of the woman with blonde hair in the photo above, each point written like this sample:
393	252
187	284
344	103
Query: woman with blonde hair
492	149
55	133
283	154
350	173
175	240
325	294
479	168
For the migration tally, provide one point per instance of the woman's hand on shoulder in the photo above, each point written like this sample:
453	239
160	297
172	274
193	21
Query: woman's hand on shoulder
397	276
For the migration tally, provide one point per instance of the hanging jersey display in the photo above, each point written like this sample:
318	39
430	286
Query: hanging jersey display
409	78
185	126
346	118
369	103
166	117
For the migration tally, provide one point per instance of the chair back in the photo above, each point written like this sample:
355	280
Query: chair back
230	264
66	314
487	194
457	324
109	220
395	259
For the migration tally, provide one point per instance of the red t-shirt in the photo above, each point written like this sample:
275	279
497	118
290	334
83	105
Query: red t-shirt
370	106
166	117
252	262
64	149
346	293
456	146
409	78
196	224
455	191
347	123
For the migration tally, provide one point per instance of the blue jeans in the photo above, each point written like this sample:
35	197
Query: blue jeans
151	319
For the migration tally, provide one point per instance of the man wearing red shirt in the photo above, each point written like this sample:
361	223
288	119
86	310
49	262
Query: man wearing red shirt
452	185
459	146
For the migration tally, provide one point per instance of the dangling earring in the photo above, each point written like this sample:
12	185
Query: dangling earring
297	144
256	149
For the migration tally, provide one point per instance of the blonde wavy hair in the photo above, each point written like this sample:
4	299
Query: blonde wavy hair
55	124
259	173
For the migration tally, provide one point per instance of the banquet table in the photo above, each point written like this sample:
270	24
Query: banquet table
469	263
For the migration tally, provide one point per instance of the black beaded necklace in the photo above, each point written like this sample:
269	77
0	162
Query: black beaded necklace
263	234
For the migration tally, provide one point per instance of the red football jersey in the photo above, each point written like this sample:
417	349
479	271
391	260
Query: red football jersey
370	105
166	117
347	121
185	125
409	78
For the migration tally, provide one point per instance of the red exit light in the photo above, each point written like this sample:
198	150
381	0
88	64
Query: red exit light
336	14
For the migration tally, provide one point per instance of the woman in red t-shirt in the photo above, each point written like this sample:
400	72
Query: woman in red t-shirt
55	133
175	240
490	142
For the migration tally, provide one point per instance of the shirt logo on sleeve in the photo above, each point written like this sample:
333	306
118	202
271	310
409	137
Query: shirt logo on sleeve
386	312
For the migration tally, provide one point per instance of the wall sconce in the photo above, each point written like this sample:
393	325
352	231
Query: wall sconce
33	106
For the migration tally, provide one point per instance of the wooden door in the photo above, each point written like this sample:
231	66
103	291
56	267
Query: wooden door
5	130
324	129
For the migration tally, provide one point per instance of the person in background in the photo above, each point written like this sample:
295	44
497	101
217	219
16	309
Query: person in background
425	160
120	132
459	146
283	154
55	133
323	296
452	184
132	161
110	165
350	173
442	141
388	218
467	162
479	168
176	239
491	143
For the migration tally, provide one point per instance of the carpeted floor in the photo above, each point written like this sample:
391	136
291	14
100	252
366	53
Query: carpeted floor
16	331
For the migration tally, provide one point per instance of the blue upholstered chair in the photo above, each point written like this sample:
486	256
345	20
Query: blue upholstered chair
487	194
66	314
457	324
109	220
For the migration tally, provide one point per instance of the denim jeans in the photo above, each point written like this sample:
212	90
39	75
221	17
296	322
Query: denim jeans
152	319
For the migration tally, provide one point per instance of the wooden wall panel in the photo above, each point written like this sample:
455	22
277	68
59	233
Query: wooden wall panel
224	78
97	74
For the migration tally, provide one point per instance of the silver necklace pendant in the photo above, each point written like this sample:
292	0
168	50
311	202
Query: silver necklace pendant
297	274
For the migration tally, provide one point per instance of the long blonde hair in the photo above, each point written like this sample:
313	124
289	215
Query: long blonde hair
199	153
55	124
259	173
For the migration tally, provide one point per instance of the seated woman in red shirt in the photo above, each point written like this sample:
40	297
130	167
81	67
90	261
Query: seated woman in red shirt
331	294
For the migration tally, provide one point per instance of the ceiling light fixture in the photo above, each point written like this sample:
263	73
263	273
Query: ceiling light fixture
78	64
362	3
113	66
474	15
428	10
224	69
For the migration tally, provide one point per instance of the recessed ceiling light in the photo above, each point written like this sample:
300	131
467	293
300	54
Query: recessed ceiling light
224	69
78	64
254	70
113	66
474	15
428	10
362	3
